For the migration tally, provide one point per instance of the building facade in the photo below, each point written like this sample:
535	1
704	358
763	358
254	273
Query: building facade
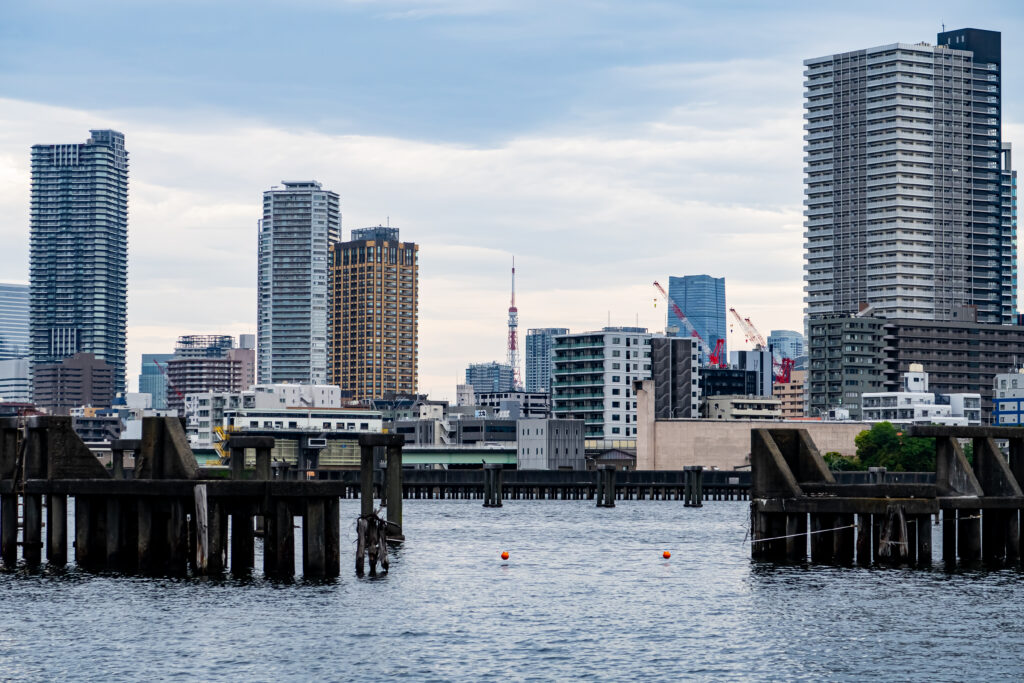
374	322
962	358
550	444
518	404
14	316
787	344
78	262
81	380
702	300
743	408
205	363
1007	406
791	395
915	404
538	357
758	361
14	380
300	222
489	378
676	373
908	194
592	379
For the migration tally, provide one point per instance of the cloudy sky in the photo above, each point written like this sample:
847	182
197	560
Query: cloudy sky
603	144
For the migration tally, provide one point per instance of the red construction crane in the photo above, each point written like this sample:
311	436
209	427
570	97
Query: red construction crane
715	356
782	368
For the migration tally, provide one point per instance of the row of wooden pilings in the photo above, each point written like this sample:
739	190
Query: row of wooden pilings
604	490
968	536
166	520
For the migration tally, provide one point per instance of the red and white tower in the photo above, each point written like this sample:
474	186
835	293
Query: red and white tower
513	333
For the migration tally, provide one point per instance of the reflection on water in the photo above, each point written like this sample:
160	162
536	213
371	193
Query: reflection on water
585	593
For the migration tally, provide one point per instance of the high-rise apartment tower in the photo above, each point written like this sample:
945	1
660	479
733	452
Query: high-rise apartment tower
909	195
539	343
78	263
300	222
374	328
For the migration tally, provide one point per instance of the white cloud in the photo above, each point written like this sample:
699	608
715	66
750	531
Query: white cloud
591	217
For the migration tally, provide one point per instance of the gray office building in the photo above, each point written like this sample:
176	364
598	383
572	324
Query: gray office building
152	379
787	344
486	378
538	357
550	444
300	222
78	262
909	194
13	320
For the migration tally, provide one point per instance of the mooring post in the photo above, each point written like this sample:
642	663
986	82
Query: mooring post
699	492
57	530
863	539
757	532
949	537
394	489
606	486
492	485
969	535
314	559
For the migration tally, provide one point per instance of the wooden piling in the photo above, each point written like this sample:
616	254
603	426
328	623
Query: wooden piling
314	560
822	540
114	536
993	536
242	539
949	537
969	535
57	530
332	538
864	539
86	554
1012	536
394	490
9	530
924	540
144	538
365	479
843	537
32	529
796	537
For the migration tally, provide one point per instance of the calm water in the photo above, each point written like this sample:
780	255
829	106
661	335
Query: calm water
585	594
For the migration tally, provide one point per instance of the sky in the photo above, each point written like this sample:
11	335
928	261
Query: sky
603	144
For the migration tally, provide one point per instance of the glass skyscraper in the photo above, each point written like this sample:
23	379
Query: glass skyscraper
702	300
787	344
79	251
539	344
152	379
13	321
300	222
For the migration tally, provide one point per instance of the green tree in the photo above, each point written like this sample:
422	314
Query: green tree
884	446
837	462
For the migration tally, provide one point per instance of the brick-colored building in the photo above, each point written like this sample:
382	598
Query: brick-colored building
80	380
791	394
373	345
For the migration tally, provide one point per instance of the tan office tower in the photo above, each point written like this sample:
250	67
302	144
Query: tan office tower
374	321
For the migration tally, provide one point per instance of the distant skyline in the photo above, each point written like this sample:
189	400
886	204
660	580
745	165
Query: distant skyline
604	145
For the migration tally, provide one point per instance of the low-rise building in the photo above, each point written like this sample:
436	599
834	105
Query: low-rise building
743	408
517	404
791	394
1007	403
916	405
550	444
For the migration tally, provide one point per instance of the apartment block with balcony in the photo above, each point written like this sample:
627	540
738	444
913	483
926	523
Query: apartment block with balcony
592	379
374	321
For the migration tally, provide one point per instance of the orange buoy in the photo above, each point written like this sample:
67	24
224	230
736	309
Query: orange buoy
504	554
666	554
